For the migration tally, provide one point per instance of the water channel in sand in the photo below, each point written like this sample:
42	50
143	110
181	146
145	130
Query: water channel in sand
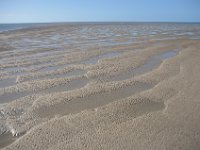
75	84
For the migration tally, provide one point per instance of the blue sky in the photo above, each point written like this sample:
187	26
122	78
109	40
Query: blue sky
16	11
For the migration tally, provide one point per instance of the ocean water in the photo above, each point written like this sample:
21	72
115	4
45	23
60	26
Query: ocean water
190	30
16	26
10	27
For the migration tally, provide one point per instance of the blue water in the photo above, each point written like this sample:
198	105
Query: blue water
10	27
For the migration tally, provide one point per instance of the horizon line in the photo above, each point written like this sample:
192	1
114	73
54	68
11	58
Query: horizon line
71	22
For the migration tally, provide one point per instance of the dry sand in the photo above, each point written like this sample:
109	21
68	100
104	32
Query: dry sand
100	87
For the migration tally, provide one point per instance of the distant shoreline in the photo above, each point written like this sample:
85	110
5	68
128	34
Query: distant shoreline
5	27
102	22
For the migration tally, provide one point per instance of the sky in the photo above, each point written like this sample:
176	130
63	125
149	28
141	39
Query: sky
29	11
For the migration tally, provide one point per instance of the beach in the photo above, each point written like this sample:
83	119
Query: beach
100	86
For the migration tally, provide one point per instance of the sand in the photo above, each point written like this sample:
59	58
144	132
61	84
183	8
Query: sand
100	87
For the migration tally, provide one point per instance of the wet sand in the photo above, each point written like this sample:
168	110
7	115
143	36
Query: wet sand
109	86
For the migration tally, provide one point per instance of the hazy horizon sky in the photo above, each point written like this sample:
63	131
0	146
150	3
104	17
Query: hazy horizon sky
25	11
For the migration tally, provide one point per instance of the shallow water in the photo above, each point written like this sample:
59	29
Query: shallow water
150	65
154	62
167	55
92	101
53	68
9	97
7	82
73	84
94	60
77	72
6	139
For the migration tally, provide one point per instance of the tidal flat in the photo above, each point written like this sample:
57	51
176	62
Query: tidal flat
100	86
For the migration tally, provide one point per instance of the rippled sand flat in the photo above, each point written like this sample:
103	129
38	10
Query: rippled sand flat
100	86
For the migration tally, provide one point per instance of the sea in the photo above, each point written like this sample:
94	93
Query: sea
17	26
